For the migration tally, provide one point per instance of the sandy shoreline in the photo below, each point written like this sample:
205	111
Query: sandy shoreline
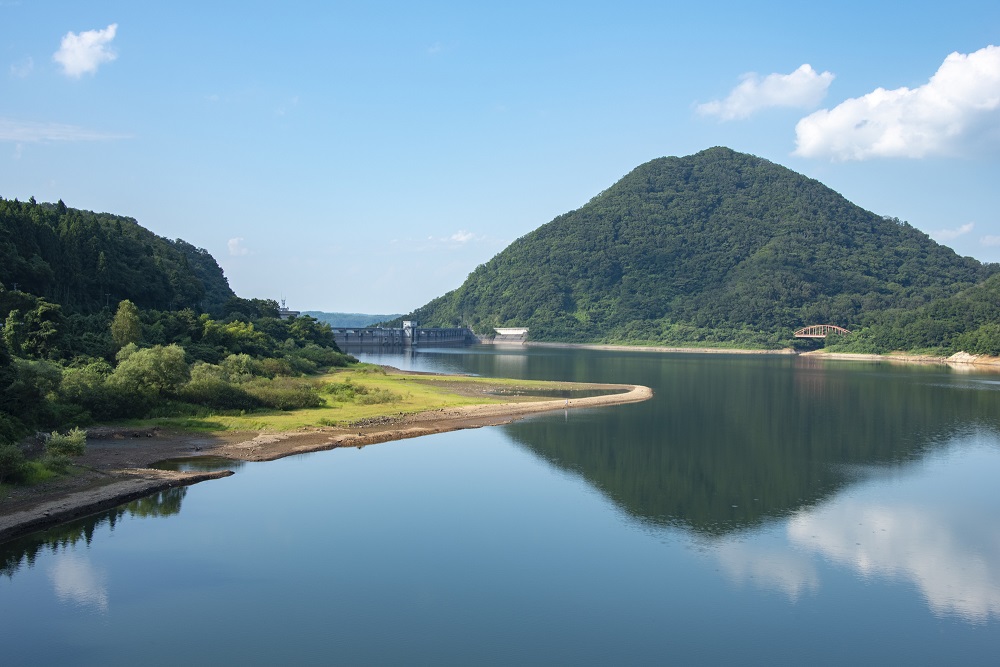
657	348
116	469
959	359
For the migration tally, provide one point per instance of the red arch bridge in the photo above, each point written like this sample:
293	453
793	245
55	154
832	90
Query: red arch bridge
821	331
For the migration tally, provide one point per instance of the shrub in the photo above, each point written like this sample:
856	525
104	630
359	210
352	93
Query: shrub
57	463
217	393
273	367
13	466
377	396
242	367
73	443
348	392
86	388
284	393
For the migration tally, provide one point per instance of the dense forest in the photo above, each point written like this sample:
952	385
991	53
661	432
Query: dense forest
100	319
349	319
965	322
87	261
719	248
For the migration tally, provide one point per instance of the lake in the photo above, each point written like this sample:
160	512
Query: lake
758	510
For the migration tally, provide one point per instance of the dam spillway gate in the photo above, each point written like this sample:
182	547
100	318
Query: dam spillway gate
389	337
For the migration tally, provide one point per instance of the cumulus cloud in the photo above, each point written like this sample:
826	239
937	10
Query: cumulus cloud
462	236
237	247
35	132
83	53
950	234
802	89
956	110
990	240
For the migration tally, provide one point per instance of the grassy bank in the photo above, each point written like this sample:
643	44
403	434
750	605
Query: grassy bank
365	393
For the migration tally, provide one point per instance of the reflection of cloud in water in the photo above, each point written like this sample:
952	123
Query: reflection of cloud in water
790	572
956	574
76	580
936	524
515	361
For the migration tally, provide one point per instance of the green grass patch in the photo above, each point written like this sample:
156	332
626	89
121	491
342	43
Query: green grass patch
366	392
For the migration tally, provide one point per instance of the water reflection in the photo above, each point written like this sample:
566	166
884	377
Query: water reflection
72	576
199	464
724	447
944	538
768	565
76	580
932	524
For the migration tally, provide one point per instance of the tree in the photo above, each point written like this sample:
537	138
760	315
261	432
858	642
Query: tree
126	327
155	371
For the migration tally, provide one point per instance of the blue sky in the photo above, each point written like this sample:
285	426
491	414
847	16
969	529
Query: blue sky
368	156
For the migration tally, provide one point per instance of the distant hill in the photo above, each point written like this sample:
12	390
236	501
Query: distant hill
717	247
968	321
349	319
85	261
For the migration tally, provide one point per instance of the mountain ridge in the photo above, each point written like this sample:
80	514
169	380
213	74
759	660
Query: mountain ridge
715	246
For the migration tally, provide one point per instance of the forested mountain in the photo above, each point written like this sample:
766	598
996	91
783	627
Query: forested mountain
966	322
100	319
85	261
348	319
716	247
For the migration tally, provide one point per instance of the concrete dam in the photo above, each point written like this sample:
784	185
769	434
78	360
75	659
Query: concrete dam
409	335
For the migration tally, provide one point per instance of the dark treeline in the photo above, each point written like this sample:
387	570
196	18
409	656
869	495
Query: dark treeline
714	248
102	320
88	261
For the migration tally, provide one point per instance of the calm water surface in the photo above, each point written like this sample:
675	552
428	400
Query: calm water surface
760	510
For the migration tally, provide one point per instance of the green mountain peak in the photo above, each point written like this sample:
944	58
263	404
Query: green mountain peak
719	246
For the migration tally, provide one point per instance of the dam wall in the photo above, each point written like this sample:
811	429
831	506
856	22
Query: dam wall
379	337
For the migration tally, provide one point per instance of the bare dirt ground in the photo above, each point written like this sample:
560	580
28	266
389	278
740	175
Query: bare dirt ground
116	469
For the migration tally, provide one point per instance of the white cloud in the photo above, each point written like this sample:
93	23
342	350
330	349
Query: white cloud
773	567
34	132
917	543
76	580
802	89
950	234
462	236
957	110
990	240
237	247
83	53
22	68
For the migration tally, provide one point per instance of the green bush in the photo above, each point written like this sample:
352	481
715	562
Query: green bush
217	393
284	393
348	392
57	463
156	371
73	443
86	387
13	466
378	396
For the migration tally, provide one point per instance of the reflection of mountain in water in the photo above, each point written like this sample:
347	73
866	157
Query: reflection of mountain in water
727	444
23	551
933	525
